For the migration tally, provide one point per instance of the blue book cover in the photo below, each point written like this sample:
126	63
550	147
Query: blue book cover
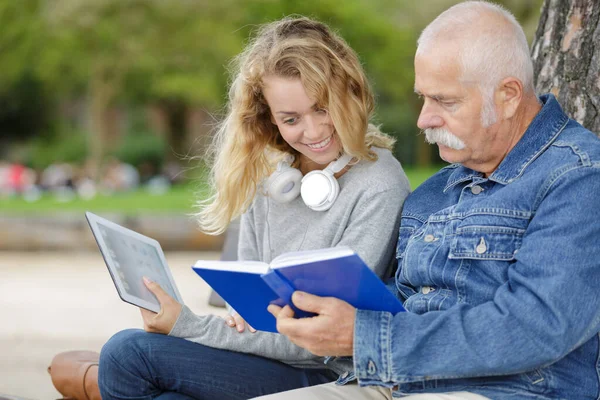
249	287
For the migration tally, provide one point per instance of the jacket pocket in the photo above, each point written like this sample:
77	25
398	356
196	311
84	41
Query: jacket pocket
409	224
479	242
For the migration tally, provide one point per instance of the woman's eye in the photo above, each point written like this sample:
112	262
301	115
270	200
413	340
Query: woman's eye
321	110
290	121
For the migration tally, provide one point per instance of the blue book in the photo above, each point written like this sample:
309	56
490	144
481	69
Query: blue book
250	286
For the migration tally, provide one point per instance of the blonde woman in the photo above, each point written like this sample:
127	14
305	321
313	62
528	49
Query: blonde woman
299	105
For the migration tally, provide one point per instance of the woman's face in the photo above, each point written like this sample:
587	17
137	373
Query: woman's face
302	124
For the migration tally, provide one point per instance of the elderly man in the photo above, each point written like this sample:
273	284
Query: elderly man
499	253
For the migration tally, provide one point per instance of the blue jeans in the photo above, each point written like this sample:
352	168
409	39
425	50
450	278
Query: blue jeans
135	364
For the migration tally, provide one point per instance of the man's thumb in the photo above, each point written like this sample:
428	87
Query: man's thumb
307	302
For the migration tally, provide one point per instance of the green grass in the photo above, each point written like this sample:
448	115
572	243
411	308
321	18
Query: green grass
179	199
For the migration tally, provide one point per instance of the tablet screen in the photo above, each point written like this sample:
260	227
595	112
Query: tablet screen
133	259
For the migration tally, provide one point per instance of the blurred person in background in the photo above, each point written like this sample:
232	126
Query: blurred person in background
4	168
118	176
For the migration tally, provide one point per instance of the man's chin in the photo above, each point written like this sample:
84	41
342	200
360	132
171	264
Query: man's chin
449	154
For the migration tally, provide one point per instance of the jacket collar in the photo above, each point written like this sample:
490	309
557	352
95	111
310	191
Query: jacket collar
540	134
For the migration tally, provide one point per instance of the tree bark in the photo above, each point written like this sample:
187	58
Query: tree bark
566	57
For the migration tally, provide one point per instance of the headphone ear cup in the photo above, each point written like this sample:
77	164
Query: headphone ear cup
319	190
284	184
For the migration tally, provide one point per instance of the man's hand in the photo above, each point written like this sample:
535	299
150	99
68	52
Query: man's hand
170	309
330	333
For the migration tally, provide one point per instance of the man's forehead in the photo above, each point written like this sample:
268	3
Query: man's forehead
443	57
439	74
431	75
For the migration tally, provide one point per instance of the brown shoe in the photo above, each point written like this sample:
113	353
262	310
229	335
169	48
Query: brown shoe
75	374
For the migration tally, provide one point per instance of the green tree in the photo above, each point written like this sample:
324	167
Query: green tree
23	102
140	51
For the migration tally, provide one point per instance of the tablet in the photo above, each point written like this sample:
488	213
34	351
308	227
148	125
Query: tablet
129	257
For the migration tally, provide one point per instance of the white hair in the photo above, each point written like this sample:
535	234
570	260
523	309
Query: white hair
487	52
445	137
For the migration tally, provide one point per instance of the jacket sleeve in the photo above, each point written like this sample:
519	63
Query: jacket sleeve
549	305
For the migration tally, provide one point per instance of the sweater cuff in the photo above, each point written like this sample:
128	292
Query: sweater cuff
178	329
372	348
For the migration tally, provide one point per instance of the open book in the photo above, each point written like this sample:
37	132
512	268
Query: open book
250	286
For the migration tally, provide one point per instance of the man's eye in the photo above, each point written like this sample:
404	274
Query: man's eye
448	104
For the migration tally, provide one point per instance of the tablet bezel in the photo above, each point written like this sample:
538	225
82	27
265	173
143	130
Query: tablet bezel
127	297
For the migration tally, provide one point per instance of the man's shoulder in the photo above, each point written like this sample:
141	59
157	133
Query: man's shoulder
580	142
436	182
428	196
575	148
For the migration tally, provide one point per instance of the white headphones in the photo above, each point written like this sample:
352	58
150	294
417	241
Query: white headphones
319	189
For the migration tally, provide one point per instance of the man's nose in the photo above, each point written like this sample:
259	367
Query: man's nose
428	118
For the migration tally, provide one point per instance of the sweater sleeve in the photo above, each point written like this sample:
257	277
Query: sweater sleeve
211	331
373	229
248	243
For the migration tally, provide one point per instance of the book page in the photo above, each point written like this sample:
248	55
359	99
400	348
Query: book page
253	267
308	256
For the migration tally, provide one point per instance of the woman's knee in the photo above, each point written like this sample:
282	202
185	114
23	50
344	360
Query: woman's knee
122	346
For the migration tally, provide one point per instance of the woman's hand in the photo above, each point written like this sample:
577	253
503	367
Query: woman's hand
235	320
170	309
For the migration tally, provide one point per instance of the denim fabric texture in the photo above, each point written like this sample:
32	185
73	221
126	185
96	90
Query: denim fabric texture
499	276
135	364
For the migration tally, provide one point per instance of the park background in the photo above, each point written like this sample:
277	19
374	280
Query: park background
99	97
108	105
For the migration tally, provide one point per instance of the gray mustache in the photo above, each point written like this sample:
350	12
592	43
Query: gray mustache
443	137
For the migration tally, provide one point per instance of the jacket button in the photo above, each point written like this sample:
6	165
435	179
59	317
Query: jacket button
371	368
429	238
476	189
427	289
481	247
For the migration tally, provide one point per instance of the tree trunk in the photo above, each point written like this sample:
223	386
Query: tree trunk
566	57
102	93
176	119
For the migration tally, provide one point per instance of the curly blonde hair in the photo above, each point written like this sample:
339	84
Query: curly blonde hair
246	140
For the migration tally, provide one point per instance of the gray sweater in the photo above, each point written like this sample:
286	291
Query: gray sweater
365	217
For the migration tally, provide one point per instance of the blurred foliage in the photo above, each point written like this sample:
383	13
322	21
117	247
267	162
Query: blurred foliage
133	53
25	108
137	148
67	146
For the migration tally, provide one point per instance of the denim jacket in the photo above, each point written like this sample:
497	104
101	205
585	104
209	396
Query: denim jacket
500	276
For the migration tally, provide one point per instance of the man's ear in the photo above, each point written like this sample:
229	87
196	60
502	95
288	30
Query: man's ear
510	93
